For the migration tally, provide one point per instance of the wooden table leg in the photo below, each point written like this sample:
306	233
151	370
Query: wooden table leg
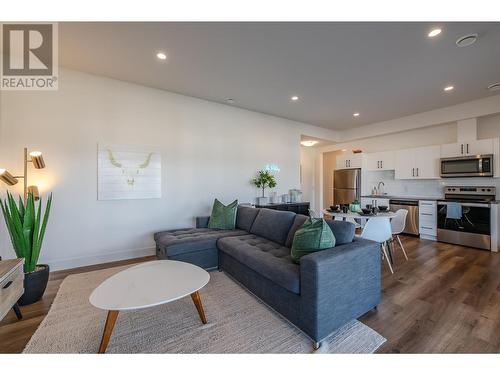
197	302
108	330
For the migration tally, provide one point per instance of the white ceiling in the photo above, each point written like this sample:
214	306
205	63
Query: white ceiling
382	70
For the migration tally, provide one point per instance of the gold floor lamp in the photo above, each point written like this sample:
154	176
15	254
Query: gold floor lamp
36	158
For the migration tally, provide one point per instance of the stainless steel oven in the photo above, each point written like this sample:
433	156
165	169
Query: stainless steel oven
467	166
464	216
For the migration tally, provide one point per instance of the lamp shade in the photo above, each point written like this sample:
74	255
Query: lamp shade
37	159
33	189
6	177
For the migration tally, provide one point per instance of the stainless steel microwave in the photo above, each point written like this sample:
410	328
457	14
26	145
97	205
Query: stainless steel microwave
467	166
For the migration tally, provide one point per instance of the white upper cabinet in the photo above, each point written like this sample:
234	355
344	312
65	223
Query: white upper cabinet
349	161
427	162
417	163
479	147
451	150
379	161
405	165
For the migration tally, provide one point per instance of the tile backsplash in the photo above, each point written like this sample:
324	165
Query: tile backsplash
425	188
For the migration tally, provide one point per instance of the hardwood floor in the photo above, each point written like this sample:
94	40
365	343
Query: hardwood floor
15	334
444	299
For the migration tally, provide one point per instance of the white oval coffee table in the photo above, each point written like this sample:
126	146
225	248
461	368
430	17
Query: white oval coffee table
146	285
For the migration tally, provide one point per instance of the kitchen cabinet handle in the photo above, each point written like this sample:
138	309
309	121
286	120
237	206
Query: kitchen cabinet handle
462	149
9	283
413	172
381	164
467	148
428	228
426	214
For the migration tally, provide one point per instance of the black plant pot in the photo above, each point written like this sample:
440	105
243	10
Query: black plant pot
34	285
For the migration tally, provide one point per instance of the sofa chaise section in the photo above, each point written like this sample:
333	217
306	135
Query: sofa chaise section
198	245
193	245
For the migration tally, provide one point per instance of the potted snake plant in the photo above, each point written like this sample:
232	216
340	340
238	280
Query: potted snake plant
26	227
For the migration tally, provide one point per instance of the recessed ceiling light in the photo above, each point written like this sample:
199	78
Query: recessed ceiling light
355	114
466	40
448	88
344	150
294	98
494	86
434	32
161	56
308	143
229	100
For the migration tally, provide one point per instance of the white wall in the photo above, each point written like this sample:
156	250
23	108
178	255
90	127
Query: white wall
209	151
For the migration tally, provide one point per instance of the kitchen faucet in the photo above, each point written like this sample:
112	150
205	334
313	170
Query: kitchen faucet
379	189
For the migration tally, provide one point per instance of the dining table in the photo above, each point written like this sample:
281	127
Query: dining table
358	216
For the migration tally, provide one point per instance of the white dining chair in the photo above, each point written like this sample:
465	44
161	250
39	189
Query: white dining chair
378	229
398	224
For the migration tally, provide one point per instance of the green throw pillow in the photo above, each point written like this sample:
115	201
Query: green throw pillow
313	235
223	217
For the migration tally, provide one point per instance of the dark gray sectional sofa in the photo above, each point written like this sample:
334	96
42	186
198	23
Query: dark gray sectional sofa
328	289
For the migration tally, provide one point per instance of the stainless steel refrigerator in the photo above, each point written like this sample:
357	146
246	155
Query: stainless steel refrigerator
346	186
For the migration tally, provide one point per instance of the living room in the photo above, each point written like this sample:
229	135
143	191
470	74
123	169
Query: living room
177	187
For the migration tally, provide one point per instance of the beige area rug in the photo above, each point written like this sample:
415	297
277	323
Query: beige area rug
238	322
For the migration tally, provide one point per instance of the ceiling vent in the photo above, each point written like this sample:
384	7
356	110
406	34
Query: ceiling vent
494	87
466	40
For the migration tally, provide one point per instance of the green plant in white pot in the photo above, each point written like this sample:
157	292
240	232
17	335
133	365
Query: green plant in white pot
262	180
26	227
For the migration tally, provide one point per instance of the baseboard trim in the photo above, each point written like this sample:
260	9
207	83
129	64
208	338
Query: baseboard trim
64	264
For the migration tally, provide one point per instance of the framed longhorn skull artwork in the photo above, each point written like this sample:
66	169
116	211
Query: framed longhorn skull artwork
128	172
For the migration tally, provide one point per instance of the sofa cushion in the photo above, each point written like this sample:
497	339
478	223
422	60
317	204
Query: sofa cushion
273	225
342	230
180	241
245	216
267	258
223	217
314	235
297	223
